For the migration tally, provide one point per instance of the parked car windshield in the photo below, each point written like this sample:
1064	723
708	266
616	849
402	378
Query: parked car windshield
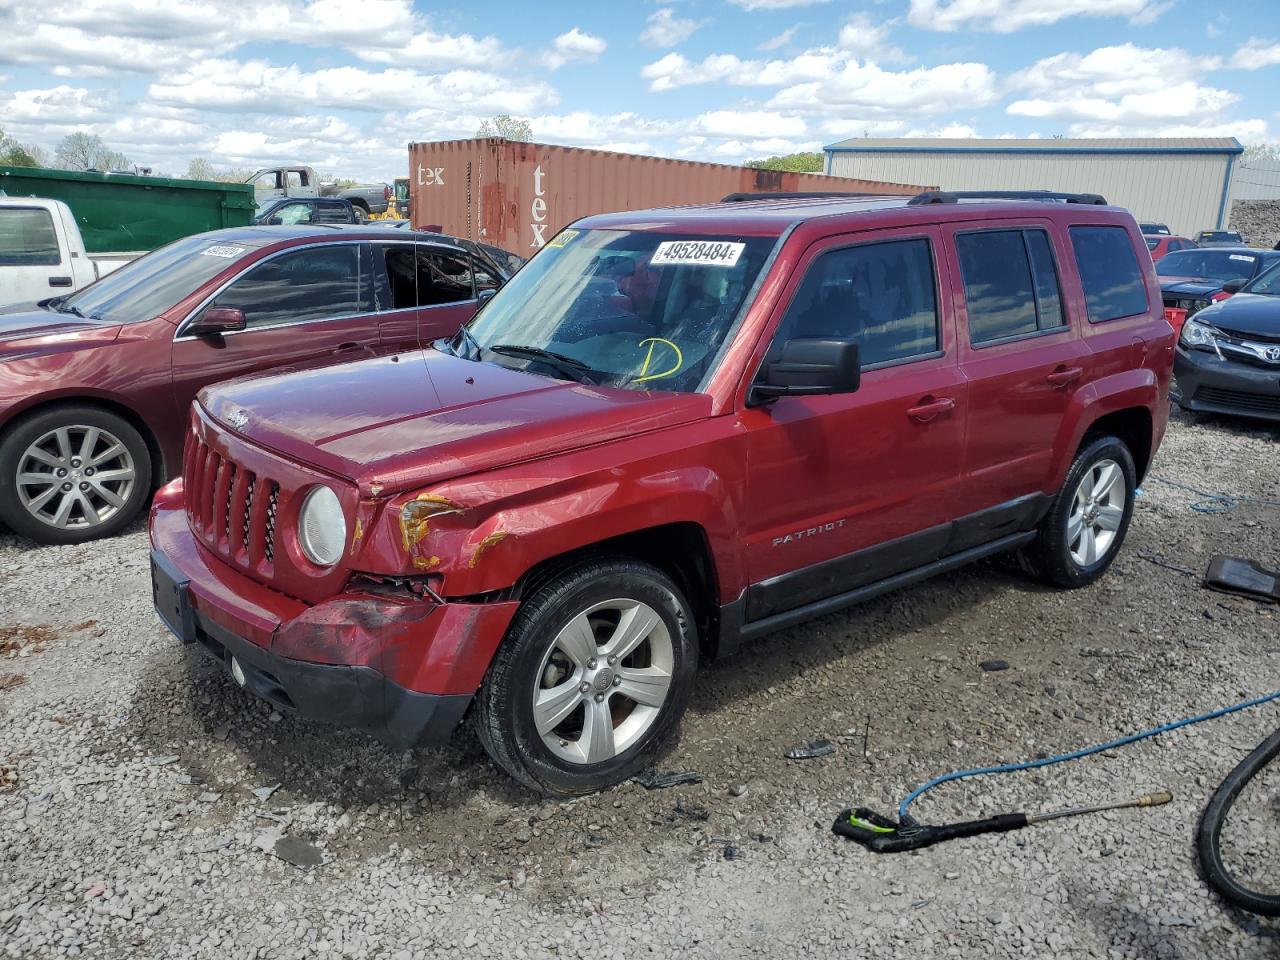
1208	264
1266	283
152	284
641	310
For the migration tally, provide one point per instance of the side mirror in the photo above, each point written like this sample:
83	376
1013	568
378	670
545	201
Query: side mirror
809	367
216	321
1234	286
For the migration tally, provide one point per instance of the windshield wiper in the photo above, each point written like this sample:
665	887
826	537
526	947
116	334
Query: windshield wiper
572	367
75	311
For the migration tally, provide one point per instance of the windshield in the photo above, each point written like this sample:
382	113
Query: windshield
402	189
1266	283
645	311
1209	264
1153	242
152	284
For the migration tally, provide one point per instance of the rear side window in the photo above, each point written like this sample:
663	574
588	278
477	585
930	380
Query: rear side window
426	276
27	238
1010	284
1109	272
332	213
881	294
316	283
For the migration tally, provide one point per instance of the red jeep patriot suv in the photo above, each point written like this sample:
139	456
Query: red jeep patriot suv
672	431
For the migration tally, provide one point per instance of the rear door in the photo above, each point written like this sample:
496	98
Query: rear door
425	290
33	265
847	489
301	305
1022	358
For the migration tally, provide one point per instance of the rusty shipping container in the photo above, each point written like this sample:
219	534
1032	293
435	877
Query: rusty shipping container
519	195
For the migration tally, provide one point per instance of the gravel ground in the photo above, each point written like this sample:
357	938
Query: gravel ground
130	825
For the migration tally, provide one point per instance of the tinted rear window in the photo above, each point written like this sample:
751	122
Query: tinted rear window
27	238
1109	272
1010	283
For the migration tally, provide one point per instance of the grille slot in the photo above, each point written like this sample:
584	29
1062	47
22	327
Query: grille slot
1253	402
273	502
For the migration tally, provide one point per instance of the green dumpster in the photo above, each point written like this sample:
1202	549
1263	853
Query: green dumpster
119	212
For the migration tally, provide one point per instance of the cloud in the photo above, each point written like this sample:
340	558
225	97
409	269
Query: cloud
774	4
1006	16
863	37
781	39
665	29
575	46
140	36
1256	54
257	86
61	104
1125	90
864	89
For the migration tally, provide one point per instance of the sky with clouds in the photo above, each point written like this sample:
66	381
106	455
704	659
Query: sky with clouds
344	85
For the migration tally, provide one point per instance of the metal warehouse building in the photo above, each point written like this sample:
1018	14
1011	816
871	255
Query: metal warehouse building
1184	182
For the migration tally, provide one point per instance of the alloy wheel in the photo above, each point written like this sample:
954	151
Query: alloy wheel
603	681
75	477
1097	512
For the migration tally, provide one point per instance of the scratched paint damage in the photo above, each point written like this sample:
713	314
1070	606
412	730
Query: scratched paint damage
416	516
425	563
491	540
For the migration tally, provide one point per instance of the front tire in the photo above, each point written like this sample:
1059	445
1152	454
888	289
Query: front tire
72	474
591	680
1088	519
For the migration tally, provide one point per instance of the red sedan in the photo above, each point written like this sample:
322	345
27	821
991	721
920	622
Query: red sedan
1160	245
95	386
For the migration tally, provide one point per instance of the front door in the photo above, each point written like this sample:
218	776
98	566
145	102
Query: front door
303	305
848	489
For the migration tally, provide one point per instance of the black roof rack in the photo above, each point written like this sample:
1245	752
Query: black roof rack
793	195
1051	196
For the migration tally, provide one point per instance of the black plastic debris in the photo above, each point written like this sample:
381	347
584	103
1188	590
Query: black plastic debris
1243	578
653	780
811	750
730	852
992	666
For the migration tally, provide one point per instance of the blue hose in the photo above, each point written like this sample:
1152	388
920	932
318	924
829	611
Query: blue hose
1077	754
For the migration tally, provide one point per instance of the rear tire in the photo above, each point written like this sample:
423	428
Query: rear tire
72	474
1088	519
591	680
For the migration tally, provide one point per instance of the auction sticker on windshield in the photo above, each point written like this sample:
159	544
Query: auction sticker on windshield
703	253
222	250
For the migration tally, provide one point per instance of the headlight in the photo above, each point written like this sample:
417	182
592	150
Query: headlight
1196	334
322	527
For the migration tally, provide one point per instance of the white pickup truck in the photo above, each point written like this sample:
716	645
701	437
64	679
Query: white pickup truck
42	254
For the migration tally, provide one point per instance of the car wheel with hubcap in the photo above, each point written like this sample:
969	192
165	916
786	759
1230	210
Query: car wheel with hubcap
1088	519
591	679
72	474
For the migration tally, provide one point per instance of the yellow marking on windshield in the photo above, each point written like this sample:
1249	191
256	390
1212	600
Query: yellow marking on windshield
562	238
644	369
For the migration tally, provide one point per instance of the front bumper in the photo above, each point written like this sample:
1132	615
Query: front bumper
1205	383
403	670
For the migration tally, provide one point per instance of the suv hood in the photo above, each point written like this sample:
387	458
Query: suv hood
1248	314
403	421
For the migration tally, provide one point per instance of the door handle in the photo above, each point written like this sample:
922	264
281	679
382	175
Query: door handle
349	345
60	281
930	407
1065	375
